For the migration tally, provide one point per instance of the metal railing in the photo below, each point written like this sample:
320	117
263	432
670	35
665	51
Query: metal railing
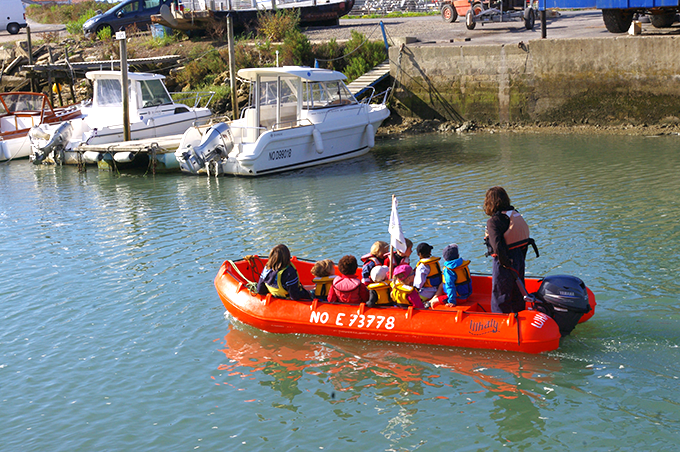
197	97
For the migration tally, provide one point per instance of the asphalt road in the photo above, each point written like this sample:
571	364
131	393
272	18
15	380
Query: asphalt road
36	30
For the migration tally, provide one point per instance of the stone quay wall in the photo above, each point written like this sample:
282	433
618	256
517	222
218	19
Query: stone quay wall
595	80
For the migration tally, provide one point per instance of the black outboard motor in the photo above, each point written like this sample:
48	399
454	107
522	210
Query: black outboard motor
565	299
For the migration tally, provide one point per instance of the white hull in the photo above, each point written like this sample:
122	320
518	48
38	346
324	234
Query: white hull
16	148
275	152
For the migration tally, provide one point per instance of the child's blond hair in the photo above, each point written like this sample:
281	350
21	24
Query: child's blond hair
323	268
380	248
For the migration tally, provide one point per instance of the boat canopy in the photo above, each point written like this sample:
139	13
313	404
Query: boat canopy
305	73
146	90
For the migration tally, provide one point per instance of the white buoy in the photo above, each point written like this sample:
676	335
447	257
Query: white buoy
318	141
92	157
123	157
370	135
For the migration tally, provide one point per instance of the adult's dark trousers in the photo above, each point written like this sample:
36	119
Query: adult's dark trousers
505	295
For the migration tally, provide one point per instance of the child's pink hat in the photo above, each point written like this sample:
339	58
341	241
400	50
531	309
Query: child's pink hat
402	269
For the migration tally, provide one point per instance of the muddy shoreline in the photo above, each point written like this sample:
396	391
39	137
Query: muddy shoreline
397	125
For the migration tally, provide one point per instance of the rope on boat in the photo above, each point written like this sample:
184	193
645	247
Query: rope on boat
252	286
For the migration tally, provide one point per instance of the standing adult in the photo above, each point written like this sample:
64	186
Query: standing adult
507	239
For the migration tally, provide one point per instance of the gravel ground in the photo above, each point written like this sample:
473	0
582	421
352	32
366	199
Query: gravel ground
433	30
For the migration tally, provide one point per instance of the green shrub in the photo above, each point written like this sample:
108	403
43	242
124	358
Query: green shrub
75	27
329	55
105	34
274	25
296	49
202	71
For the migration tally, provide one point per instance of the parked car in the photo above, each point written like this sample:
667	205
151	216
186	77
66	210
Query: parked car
12	17
129	12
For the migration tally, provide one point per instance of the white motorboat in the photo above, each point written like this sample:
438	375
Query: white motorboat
297	117
152	113
19	112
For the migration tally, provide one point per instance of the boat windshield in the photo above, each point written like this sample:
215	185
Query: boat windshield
154	93
107	93
326	94
12	103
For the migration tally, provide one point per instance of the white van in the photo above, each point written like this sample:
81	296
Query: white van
12	16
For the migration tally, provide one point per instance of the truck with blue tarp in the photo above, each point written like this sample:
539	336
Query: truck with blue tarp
619	14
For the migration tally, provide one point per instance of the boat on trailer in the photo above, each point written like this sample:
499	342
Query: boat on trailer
152	111
558	303
297	117
19	112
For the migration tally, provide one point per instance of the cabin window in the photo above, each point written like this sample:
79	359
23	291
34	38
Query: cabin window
326	94
154	93
148	4
107	93
268	93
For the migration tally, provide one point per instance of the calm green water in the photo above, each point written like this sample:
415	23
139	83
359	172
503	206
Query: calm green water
113	337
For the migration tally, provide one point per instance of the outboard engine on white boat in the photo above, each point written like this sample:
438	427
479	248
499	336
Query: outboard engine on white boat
564	298
43	144
216	143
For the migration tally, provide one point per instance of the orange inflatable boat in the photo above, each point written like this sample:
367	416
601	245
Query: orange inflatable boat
469	324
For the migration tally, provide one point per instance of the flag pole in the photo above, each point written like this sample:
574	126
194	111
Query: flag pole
390	255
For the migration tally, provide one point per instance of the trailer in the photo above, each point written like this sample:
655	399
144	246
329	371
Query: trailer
500	11
618	14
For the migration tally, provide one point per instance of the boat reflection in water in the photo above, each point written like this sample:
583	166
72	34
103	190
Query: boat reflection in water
386	369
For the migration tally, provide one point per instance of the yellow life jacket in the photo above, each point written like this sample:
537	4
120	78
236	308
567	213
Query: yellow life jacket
323	285
279	292
462	273
434	278
400	293
383	291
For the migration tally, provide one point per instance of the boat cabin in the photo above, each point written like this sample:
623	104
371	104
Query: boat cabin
286	97
148	97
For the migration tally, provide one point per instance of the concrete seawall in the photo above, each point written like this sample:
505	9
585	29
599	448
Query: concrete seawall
631	79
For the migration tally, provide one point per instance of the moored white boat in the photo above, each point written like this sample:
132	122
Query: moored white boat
19	112
297	117
152	113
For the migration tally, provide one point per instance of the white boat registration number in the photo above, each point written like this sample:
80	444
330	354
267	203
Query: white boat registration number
354	320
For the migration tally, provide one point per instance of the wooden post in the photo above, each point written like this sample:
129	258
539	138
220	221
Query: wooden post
232	68
30	51
124	82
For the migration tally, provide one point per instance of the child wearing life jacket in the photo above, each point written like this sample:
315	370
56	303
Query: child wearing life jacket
280	277
376	257
379	289
323	272
347	288
428	276
399	258
403	293
457	279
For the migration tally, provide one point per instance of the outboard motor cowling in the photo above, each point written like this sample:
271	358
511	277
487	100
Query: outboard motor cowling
565	299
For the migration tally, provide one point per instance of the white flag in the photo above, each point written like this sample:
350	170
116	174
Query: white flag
396	235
